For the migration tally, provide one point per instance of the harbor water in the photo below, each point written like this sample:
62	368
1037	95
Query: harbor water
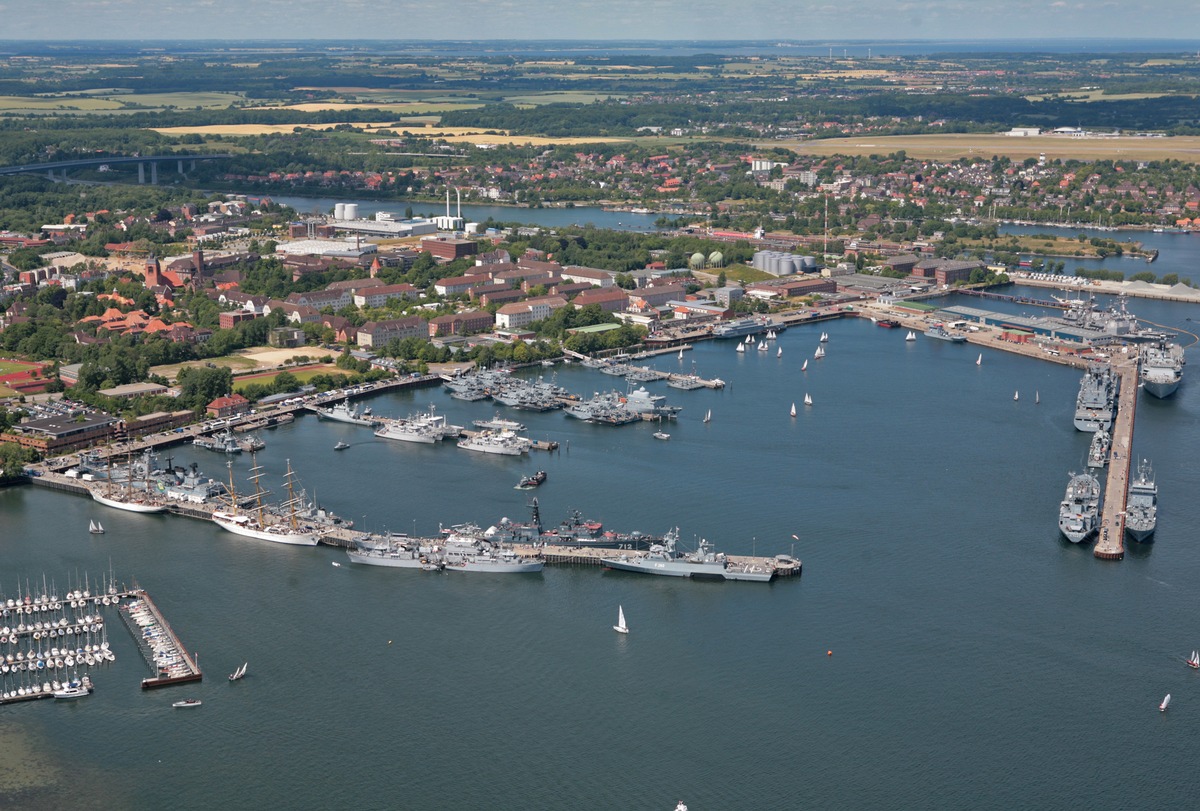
944	647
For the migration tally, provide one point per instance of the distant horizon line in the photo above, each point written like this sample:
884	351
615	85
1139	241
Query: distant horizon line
1193	40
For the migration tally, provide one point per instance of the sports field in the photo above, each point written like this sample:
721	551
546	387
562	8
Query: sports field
302	373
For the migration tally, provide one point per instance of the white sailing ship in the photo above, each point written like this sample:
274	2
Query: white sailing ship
261	524
621	627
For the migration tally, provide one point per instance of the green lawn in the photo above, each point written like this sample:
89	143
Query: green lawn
304	375
234	362
7	367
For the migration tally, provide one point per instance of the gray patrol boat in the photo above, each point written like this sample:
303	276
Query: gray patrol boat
1141	509
1079	513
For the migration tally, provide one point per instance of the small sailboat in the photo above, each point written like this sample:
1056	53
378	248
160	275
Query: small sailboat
1037	398
95	527
807	399
708	416
824	337
1016	396
779	352
762	346
749	339
979	360
239	673
741	347
1194	662
1163	706
820	353
681	354
804	366
793	409
621	627
911	336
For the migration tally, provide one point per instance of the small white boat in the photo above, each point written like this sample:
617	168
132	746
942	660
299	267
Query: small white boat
1016	396
661	435
708	416
681	354
71	691
804	366
741	347
1037	398
239	673
762	346
1166	701
341	446
95	527
911	336
807	399
749	339
825	337
779	352
187	702
621	627
820	353
336	564
1194	662
793	409
979	360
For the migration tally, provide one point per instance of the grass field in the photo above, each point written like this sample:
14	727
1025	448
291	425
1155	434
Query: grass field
400	107
7	367
41	104
303	374
104	101
952	147
234	362
207	100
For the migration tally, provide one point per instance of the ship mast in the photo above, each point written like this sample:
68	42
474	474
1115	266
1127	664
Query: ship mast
258	491
291	495
233	500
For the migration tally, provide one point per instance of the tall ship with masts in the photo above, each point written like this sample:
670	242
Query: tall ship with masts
128	497
281	526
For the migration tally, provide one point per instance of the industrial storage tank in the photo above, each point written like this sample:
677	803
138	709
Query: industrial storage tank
351	211
697	261
339	211
808	264
716	259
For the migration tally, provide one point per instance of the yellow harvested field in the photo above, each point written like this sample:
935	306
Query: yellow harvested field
951	147
266	358
459	134
254	129
402	107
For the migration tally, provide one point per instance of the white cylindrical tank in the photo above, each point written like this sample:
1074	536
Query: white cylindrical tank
351	211
339	211
471	228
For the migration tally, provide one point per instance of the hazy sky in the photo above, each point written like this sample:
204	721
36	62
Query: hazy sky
597	19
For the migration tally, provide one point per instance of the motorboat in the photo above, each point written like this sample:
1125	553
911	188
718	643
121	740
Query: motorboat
187	702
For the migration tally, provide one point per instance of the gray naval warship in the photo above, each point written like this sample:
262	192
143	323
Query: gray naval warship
704	564
1079	513
1096	403
1141	509
1162	368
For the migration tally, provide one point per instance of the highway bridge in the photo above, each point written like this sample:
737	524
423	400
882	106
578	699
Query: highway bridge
140	160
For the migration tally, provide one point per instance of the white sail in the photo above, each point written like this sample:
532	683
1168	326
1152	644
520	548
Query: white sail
779	352
979	360
621	627
912	336
793	409
1037	397
804	366
708	416
807	399
1016	396
1163	706
741	347
92	526
681	354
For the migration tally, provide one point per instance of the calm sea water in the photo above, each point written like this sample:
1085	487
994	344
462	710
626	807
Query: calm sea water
977	658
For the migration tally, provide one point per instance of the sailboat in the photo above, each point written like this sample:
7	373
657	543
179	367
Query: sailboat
804	366
762	346
708	416
95	527
807	399
239	673
779	352
681	354
741	347
749	339
911	336
979	360
824	337
1194	662
1037	398
820	353
621	627
1016	396
1163	706
793	409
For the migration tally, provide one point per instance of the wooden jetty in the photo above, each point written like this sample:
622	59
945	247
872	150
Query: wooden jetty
1111	542
161	679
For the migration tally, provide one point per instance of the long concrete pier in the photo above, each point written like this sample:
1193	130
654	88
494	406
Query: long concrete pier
1111	543
187	671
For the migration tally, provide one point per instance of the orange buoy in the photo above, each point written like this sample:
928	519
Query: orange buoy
829	653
